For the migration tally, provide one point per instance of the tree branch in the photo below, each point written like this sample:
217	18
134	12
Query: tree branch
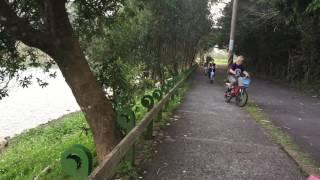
19	29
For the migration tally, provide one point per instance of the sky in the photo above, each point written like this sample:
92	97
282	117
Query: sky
217	8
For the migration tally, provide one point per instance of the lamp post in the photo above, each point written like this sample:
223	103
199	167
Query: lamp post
232	32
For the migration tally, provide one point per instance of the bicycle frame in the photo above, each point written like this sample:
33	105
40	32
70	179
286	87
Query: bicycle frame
236	90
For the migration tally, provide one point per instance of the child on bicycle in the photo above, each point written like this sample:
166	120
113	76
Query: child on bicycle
237	70
212	71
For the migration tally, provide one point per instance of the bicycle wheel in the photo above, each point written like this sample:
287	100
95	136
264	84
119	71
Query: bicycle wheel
242	98
227	96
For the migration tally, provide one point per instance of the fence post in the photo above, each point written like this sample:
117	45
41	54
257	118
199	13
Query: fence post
171	85
165	90
148	102
158	95
126	120
149	133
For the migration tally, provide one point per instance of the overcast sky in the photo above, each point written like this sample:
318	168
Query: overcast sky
217	8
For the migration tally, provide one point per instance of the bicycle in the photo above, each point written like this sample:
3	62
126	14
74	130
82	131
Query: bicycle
238	91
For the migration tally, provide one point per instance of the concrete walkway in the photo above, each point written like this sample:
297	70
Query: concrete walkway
214	140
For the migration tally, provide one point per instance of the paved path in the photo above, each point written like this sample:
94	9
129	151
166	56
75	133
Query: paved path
294	112
213	140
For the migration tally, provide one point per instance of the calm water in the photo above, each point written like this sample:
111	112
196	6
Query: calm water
27	108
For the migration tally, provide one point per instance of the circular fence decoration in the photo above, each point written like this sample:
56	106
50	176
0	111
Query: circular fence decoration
147	101
77	162
157	94
164	89
126	120
170	83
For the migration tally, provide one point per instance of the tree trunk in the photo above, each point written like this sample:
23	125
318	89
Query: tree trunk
89	95
60	42
67	53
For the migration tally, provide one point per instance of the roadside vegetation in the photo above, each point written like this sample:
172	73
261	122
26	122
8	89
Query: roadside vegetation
36	152
117	48
31	152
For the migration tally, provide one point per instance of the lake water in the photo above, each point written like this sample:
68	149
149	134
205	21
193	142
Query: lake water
27	108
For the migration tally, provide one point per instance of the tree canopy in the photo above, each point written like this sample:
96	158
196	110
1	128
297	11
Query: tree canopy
279	38
100	45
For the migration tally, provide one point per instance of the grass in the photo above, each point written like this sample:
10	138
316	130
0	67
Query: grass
40	148
32	151
307	165
221	61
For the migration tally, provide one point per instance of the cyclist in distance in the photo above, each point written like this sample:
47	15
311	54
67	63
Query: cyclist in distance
212	71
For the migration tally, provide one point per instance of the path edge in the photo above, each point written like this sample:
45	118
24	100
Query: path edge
283	140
